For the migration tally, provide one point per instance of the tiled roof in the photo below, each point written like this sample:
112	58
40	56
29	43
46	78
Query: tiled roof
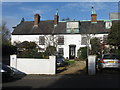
26	28
47	27
88	27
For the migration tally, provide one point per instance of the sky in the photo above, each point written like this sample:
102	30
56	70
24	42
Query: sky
13	12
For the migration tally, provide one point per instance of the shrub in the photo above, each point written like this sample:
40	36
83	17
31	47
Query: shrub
118	52
50	50
8	49
30	54
95	46
82	53
29	50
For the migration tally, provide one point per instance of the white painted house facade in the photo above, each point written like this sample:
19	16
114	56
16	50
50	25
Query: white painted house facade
69	40
68	36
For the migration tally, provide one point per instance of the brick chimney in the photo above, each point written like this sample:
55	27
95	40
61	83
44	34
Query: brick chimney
36	19
93	16
56	18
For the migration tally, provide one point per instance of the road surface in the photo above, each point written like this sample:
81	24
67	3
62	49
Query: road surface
105	79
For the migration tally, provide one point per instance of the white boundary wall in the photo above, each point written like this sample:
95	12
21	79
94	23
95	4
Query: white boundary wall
92	64
34	66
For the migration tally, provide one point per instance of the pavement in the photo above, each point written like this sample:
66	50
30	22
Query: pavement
82	80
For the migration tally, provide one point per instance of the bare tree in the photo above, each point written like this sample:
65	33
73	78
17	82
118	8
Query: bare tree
50	40
5	33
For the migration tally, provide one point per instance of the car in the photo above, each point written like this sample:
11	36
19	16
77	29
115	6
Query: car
60	60
108	61
7	71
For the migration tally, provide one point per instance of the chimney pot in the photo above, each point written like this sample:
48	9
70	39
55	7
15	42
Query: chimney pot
36	19
93	16
56	17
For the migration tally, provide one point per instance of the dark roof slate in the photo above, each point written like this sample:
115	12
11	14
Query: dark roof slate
26	28
47	27
88	27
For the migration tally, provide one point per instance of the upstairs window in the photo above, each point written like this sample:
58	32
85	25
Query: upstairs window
60	40
41	40
72	26
108	24
84	41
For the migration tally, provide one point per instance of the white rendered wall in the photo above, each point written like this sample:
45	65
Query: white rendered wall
34	66
69	39
21	38
98	35
32	38
92	64
75	39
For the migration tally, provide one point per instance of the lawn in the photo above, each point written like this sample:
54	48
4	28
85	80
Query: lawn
70	61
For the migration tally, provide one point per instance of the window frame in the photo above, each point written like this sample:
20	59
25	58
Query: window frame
60	40
41	40
84	42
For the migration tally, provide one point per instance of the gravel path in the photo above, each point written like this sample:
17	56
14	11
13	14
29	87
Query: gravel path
75	68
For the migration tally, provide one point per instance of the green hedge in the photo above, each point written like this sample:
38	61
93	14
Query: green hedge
82	53
118	52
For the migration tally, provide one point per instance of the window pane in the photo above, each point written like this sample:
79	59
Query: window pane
84	41
61	40
41	40
110	57
60	51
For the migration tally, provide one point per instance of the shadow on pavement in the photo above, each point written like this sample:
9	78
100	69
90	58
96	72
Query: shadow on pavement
84	80
108	78
17	75
80	79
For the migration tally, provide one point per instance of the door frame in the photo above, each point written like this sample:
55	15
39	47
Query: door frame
72	51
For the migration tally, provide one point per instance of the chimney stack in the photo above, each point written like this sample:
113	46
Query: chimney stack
56	18
93	16
36	19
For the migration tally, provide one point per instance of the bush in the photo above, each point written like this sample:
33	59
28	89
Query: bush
8	49
50	50
29	50
117	52
82	53
30	54
95	46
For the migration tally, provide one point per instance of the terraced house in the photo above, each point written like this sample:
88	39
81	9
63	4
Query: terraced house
66	36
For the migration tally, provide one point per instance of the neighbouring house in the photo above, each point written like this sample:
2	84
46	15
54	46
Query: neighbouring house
66	36
115	16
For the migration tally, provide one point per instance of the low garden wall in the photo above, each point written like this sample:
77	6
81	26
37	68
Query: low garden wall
34	66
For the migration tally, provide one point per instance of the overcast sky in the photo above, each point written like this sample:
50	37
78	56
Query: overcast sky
12	12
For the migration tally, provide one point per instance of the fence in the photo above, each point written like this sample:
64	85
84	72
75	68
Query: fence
34	66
